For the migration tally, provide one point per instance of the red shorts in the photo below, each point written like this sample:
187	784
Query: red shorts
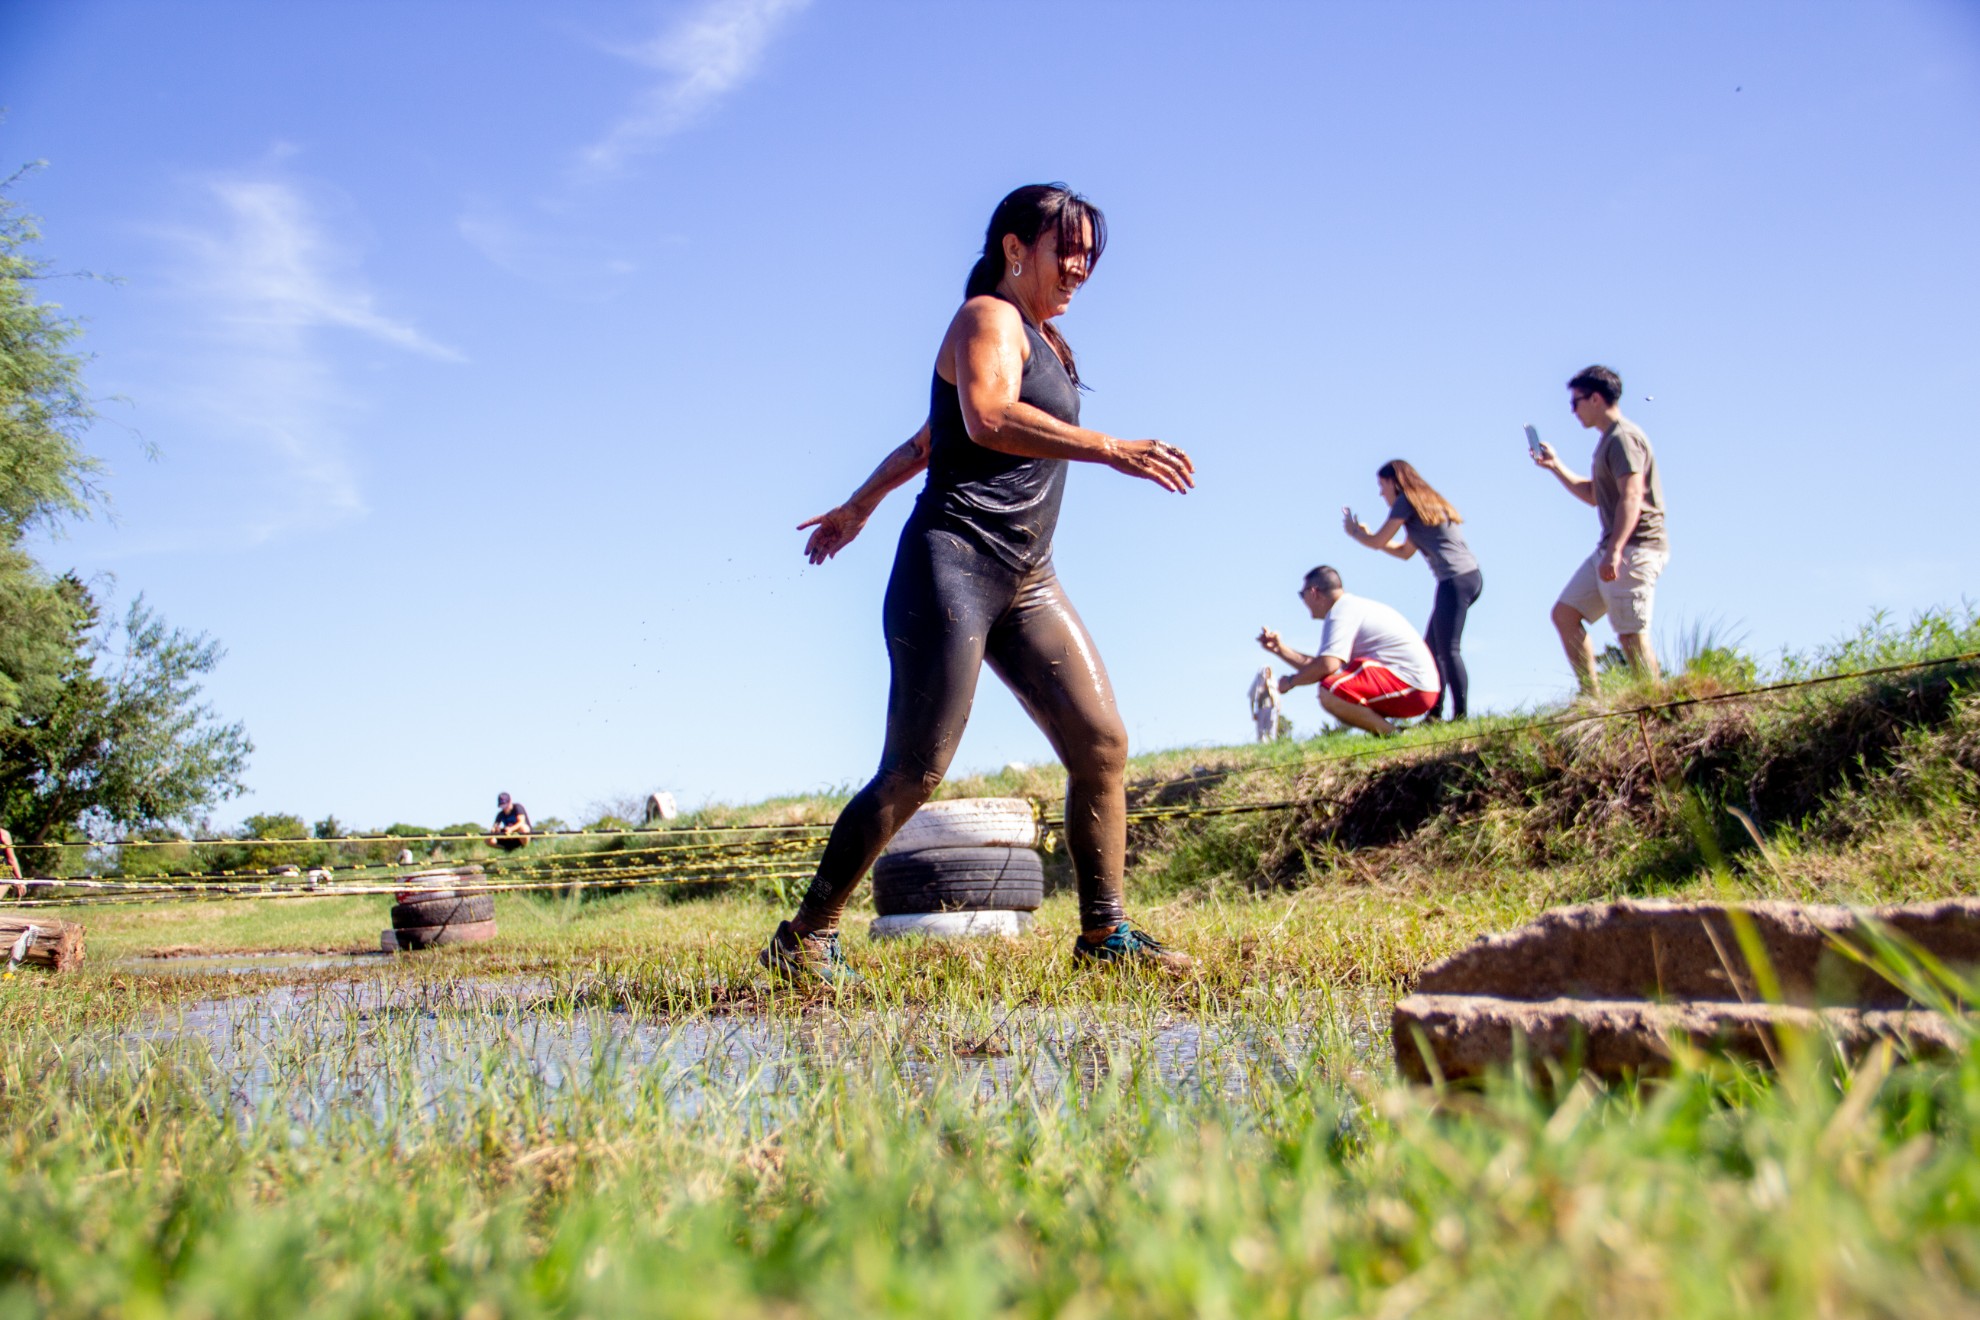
1366	683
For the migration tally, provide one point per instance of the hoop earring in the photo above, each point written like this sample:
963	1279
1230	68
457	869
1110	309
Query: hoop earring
1017	270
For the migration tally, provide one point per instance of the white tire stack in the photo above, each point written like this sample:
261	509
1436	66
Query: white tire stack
965	867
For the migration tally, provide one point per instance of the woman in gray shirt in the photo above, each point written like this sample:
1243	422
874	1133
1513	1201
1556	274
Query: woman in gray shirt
1429	524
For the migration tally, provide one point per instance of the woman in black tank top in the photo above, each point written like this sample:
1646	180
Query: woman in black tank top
973	578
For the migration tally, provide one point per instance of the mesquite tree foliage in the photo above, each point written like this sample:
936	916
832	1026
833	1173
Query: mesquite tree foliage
101	725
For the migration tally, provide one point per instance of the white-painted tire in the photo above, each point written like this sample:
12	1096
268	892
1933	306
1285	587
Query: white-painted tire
967	823
950	925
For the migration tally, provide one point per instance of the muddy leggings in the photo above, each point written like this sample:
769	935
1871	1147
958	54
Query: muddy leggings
949	608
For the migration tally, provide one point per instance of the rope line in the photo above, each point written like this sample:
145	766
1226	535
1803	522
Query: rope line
492	866
478	834
428	881
635	880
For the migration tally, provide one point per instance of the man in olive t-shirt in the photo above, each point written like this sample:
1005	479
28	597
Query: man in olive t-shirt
1620	578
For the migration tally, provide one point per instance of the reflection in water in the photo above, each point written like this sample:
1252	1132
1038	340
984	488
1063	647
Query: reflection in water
240	964
384	1049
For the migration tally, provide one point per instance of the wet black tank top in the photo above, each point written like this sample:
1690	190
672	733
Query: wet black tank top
1007	505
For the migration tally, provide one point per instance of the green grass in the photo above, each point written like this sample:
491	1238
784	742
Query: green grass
988	1129
879	1174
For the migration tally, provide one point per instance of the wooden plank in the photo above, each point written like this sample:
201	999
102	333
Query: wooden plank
57	945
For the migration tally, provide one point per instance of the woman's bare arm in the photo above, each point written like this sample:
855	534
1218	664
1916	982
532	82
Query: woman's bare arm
836	529
984	351
1382	539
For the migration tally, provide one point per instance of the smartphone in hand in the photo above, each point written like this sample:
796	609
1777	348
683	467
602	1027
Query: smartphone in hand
1532	440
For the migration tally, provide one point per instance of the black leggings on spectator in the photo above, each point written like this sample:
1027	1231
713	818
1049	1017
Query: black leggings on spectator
950	607
1455	596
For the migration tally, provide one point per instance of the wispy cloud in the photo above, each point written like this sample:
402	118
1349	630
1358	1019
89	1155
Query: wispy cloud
701	59
274	268
264	280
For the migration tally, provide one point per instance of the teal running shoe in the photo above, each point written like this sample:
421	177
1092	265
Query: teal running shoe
1127	945
807	959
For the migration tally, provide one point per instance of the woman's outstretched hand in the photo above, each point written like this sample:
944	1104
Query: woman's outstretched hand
1154	460
831	532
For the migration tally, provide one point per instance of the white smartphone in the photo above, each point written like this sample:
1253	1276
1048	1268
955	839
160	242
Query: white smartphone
1532	440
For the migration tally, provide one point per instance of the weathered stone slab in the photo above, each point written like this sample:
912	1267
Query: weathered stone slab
1470	1035
1690	951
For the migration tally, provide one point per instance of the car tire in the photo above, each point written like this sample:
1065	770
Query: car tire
435	937
967	823
958	880
444	911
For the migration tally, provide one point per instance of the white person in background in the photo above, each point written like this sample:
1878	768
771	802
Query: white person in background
1265	705
1372	668
1620	578
1429	524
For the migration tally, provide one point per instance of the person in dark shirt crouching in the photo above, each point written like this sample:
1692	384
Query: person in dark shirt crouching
512	826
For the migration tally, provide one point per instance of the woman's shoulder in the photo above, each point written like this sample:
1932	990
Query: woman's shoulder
986	316
986	311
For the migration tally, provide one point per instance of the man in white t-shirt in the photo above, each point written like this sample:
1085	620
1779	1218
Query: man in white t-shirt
1372	667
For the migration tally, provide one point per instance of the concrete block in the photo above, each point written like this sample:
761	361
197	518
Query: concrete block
1469	1035
1684	951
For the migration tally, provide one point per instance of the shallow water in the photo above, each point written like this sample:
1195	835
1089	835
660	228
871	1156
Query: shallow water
242	963
380	1048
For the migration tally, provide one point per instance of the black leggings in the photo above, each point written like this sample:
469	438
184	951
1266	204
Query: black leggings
949	608
1455	596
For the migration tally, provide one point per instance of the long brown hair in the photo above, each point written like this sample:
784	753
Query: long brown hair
1433	509
1026	212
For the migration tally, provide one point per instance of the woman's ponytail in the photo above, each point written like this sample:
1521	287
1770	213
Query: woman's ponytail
985	274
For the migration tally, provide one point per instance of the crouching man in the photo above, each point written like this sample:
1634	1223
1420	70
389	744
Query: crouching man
1372	667
512	824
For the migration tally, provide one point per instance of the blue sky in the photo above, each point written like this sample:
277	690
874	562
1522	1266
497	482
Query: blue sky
493	350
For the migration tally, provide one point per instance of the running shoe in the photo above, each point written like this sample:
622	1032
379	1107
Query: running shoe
807	958
1125	944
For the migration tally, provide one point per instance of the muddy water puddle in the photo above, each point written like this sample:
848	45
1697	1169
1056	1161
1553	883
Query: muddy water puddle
380	1048
241	964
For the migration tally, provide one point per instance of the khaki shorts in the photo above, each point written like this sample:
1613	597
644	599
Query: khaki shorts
1628	600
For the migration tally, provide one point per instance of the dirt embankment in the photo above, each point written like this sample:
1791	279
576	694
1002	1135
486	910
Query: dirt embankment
1645	796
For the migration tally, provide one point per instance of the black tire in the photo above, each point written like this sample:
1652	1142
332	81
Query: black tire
958	880
418	897
433	937
443	911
